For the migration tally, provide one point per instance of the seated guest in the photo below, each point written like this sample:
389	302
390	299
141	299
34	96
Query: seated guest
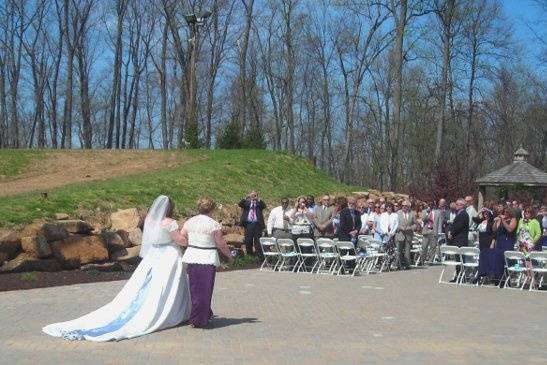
323	218
379	230
301	218
278	221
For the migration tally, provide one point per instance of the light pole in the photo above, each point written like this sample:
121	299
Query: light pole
191	131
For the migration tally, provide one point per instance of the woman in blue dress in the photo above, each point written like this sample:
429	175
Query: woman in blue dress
505	225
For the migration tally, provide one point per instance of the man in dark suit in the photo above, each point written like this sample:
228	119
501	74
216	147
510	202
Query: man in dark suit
252	219
350	220
458	233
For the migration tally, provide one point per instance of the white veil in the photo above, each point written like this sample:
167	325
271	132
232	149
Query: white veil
152	230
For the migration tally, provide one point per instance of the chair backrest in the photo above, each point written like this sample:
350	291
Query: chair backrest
345	248
268	244
286	245
374	244
323	239
538	260
365	237
447	251
513	258
324	246
307	244
471	254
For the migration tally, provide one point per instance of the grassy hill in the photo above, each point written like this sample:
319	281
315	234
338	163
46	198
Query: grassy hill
224	175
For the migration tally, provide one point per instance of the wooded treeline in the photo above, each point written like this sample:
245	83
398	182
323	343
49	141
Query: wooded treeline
396	94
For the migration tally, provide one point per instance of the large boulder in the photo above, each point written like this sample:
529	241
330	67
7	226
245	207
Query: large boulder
36	246
10	243
135	237
235	240
54	232
113	241
25	262
79	250
61	216
129	255
233	230
127	219
76	226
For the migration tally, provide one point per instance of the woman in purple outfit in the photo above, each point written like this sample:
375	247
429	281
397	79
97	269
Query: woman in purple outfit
203	236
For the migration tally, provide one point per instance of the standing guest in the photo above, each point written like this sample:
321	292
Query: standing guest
350	221
278	221
505	224
458	233
542	217
405	231
367	217
205	240
301	219
311	203
450	216
517	208
381	223
472	213
388	224
252	219
528	232
375	218
433	222
487	241
323	218
340	204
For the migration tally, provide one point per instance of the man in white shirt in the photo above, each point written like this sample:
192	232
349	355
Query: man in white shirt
278	221
472	213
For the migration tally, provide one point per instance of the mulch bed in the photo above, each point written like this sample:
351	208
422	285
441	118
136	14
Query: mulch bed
22	281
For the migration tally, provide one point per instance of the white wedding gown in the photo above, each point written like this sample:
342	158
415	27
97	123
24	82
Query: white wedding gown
155	297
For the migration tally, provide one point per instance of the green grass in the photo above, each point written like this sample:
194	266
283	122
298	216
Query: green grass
224	175
29	276
13	162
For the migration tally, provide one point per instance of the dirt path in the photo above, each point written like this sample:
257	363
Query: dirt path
60	168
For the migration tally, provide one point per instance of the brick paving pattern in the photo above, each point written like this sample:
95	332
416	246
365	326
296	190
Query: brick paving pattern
284	318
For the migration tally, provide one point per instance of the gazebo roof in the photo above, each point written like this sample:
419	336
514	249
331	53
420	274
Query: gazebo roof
519	172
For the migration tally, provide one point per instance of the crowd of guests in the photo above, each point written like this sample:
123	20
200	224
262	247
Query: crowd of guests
496	227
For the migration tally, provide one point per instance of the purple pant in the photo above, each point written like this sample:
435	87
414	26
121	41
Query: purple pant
202	280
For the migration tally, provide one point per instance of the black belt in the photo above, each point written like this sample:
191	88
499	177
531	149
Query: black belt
203	248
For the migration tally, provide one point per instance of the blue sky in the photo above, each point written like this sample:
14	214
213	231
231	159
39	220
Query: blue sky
521	13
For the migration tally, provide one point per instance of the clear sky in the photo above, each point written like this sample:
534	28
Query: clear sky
523	14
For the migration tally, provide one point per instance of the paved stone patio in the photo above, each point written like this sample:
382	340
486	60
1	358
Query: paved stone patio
283	318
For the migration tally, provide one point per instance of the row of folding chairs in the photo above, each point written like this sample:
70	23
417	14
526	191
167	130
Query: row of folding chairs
519	269
323	256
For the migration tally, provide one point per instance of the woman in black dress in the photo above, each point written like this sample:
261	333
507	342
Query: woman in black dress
485	223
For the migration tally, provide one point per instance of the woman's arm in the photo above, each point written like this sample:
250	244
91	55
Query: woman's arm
222	245
180	237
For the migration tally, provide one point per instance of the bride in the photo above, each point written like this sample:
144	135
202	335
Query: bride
155	297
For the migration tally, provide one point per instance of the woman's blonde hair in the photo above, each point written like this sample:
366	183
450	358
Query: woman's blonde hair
206	205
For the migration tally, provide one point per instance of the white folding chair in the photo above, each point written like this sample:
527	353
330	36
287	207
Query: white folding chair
470	264
539	268
375	259
308	254
289	255
515	266
349	261
449	258
416	249
328	256
271	253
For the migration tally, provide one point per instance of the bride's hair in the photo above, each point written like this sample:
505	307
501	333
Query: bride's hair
206	205
170	208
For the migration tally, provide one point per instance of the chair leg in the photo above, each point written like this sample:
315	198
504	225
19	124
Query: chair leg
442	273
